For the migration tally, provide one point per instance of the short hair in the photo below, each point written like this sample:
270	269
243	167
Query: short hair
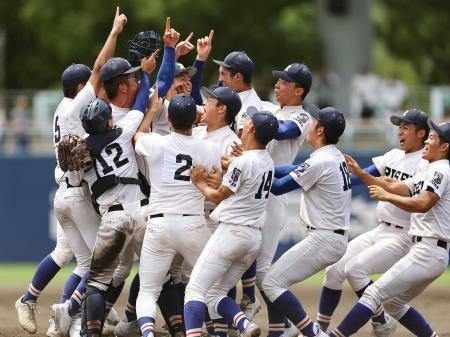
182	125
328	140
443	140
422	127
229	117
247	77
70	92
112	85
305	90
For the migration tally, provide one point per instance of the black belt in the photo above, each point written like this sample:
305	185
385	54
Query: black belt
119	207
72	186
440	243
160	215
392	225
337	231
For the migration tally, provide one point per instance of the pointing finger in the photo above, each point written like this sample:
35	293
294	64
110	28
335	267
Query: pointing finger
168	24
189	37
117	11
211	35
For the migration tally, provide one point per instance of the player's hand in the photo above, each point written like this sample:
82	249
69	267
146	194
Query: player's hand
155	104
237	149
378	193
148	64
214	178
171	36
352	164
204	46
184	47
120	20
225	161
198	173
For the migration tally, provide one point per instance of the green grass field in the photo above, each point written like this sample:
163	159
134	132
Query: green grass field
22	273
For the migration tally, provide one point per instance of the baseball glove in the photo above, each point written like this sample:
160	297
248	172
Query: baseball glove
73	153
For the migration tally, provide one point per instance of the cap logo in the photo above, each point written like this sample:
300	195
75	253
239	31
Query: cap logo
288	67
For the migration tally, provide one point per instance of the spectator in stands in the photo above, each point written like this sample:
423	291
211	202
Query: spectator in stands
393	93
364	94
20	123
326	85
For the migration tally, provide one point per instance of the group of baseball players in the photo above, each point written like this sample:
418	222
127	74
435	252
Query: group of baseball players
193	183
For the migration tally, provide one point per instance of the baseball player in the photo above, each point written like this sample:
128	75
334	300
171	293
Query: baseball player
379	249
71	206
427	196
235	72
233	246
176	222
291	88
324	209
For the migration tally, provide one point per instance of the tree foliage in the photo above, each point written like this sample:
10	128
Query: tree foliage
43	37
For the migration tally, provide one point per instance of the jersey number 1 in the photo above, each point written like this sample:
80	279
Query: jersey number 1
345	176
265	185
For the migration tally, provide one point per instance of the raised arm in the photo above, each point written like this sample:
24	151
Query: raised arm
204	46
108	49
154	107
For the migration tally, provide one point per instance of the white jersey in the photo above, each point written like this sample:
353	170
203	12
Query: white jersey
436	222
250	178
248	98
170	158
118	113
283	152
398	165
223	137
325	181
66	120
118	158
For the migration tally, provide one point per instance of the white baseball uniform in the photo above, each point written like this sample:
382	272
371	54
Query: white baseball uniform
235	244
176	223
325	210
428	257
379	249
282	152
72	204
248	98
123	218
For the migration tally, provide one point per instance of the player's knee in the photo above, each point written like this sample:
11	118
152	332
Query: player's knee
395	307
356	275
371	298
194	292
271	288
334	276
62	256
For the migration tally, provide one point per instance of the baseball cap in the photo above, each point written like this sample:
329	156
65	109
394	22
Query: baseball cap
228	96
416	116
75	74
237	60
296	72
179	68
442	129
265	123
332	120
182	108
116	66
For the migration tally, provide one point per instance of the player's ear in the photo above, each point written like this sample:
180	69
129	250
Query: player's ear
299	91
80	86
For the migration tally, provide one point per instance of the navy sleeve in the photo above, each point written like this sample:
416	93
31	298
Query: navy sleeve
166	72
143	93
372	170
284	185
196	81
287	130
284	170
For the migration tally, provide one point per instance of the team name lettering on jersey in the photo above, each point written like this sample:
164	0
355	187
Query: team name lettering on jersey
396	174
418	187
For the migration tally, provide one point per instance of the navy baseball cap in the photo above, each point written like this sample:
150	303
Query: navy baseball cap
237	60
179	68
116	66
182	108
75	74
442	129
416	116
228	96
265	123
296	72
332	120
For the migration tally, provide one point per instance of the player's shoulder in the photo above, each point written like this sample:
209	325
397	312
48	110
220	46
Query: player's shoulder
64	106
199	131
394	154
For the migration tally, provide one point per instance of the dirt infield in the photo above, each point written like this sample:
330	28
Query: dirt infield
434	303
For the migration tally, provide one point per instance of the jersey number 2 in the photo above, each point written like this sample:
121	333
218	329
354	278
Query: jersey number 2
187	160
346	176
265	185
117	161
